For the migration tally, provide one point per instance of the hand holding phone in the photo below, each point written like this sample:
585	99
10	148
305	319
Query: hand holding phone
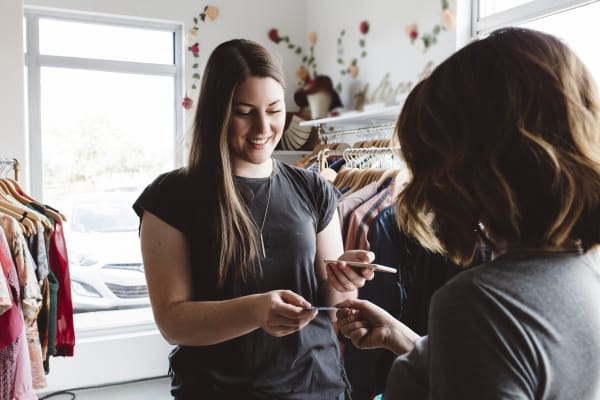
374	267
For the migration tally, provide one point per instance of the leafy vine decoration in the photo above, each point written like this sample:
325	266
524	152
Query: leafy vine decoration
351	68
423	41
211	13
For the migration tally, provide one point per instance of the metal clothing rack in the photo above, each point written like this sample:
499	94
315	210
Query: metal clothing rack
10	164
364	157
369	132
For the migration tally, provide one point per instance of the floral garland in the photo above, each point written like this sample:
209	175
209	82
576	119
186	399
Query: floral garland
425	40
308	63
352	67
307	71
210	12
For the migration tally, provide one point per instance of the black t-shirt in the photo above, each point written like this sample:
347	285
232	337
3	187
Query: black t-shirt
303	365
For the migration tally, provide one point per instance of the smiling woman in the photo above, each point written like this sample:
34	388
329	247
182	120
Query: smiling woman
256	125
229	247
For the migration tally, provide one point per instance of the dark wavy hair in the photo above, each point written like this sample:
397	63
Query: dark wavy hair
504	135
228	66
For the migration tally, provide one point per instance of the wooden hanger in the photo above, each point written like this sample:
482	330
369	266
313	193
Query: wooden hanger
26	224
8	186
16	197
363	177
20	211
20	195
345	177
388	173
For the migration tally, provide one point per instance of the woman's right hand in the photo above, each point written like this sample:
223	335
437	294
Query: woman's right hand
369	326
282	312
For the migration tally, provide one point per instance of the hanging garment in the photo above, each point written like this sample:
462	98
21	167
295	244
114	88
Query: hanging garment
59	264
12	333
31	297
351	202
361	217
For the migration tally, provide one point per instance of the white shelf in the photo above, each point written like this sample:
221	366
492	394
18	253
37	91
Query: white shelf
357	119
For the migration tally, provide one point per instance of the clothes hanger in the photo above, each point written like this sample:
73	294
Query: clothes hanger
55	215
15	197
362	178
22	213
387	174
9	187
25	223
346	178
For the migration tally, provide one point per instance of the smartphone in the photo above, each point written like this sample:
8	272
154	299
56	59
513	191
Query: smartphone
374	267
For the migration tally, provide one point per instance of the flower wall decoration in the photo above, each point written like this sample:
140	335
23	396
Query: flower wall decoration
307	74
351	68
191	38
308	67
425	40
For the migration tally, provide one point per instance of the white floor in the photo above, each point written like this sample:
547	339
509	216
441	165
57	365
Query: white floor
156	389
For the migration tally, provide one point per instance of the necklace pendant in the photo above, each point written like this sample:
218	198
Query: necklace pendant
262	244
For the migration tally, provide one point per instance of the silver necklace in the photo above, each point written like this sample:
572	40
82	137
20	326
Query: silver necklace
260	231
262	226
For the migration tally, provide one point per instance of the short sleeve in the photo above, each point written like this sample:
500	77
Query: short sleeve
327	201
166	198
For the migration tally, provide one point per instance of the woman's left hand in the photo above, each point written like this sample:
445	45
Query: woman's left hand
345	278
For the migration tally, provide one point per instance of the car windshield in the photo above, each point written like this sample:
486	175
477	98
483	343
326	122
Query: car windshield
104	215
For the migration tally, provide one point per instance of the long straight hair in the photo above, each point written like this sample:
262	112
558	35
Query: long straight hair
235	237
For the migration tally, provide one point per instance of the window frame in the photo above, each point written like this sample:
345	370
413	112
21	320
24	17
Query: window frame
34	61
481	26
136	350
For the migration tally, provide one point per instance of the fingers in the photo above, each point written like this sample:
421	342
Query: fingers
358	255
343	277
282	325
353	327
289	297
284	312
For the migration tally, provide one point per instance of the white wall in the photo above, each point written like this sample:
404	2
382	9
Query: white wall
389	49
12	108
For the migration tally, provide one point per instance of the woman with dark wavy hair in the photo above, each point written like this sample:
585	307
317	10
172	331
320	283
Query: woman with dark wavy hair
234	248
503	144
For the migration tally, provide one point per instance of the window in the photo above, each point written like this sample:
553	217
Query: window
104	120
492	14
573	21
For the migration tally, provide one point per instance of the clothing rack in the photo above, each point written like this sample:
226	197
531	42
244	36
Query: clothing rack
370	132
8	164
364	157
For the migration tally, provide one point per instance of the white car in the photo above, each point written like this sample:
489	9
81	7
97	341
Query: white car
105	260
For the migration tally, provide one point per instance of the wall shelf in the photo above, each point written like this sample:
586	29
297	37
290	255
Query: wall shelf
355	126
357	119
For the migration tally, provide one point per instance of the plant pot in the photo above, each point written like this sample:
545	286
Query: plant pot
319	104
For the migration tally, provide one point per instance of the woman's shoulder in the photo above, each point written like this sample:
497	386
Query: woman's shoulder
164	189
174	177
